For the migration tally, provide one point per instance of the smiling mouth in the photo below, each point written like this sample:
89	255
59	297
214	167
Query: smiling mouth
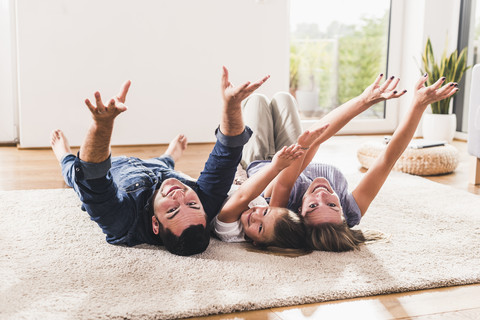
248	219
321	187
173	188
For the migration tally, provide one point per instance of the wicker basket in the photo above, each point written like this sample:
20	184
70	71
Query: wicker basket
422	162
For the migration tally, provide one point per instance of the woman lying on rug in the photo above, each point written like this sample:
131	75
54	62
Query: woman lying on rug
246	216
319	192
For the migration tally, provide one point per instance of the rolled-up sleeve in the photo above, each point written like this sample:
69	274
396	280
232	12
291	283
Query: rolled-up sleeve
234	141
88	170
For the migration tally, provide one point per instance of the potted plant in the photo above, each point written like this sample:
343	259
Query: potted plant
306	60
294	66
441	123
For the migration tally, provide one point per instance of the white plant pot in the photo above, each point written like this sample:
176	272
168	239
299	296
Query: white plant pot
439	126
307	100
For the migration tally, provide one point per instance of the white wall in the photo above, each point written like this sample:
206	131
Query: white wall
172	51
7	74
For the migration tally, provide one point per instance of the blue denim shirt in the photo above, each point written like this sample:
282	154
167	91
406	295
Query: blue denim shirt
117	193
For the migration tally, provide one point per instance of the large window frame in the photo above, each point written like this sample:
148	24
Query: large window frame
465	38
390	120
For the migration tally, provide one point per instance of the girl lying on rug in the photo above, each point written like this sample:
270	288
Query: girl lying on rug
247	216
319	192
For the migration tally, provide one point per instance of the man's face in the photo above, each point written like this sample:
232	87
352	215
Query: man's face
177	207
321	204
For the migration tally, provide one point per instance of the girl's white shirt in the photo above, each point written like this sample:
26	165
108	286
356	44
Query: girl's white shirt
233	231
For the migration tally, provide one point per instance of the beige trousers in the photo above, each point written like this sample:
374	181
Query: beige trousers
275	124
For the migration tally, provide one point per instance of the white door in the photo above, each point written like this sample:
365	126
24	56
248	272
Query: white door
7	70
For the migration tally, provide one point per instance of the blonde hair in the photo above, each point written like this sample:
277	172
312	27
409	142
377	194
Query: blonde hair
339	237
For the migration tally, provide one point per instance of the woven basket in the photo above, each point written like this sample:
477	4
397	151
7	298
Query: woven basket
422	162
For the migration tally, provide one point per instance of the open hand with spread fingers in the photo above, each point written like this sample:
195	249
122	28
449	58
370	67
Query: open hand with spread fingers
377	92
423	96
285	156
308	137
116	105
234	95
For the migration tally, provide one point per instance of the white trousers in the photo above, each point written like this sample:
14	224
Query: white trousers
275	124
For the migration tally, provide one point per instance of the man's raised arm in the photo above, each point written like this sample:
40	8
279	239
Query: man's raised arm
232	123
96	145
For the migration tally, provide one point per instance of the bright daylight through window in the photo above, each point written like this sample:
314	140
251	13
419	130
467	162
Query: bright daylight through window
337	49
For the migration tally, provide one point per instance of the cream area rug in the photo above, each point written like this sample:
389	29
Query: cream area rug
55	263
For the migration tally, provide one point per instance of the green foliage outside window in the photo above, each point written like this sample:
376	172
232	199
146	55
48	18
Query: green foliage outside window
341	62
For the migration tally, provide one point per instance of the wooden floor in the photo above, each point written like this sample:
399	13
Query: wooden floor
38	169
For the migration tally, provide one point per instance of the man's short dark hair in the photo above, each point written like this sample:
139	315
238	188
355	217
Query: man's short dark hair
193	240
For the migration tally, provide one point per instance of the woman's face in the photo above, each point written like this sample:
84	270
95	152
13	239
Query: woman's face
259	223
321	204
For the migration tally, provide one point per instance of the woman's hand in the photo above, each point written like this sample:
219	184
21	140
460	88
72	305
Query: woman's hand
375	92
423	96
107	113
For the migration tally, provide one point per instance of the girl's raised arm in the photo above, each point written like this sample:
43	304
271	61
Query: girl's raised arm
255	185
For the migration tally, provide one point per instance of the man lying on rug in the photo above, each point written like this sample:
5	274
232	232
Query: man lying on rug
138	201
319	192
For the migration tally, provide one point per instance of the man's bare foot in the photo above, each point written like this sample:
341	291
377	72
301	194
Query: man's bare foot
59	144
176	147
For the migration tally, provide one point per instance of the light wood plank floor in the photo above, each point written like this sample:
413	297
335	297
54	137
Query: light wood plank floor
38	169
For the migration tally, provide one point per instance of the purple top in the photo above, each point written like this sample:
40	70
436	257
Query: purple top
337	180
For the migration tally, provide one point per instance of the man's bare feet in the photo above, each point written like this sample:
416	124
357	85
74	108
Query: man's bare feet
59	144
176	147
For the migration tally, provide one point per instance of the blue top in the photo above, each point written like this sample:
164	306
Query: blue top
337	180
117	193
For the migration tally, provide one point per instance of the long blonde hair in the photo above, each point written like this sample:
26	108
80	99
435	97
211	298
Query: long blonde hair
339	237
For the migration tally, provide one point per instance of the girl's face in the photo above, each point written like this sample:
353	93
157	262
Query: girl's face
321	204
259	222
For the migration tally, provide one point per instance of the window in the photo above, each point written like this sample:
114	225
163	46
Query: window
337	49
469	35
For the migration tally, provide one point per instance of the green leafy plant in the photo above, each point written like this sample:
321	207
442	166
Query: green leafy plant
294	66
452	68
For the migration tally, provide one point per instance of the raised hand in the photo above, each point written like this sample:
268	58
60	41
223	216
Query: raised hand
285	156
235	95
116	105
375	92
308	137
423	96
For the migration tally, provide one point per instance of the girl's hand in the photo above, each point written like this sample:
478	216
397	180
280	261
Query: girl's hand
376	93
286	156
307	138
423	96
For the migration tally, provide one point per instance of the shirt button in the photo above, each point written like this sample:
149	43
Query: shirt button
136	184
77	169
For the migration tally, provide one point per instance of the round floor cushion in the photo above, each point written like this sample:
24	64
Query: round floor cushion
422	162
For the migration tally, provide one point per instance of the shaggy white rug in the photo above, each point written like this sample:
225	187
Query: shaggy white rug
55	263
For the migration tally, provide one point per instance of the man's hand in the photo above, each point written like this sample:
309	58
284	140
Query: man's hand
285	156
376	93
232	119
423	96
234	95
107	113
